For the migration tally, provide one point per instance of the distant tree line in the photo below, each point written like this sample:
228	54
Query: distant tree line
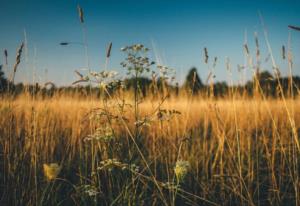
268	85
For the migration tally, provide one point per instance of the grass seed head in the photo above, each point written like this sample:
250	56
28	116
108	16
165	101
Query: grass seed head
108	50
205	55
283	52
5	55
246	49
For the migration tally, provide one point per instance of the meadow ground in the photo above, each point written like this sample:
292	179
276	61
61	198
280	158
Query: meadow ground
183	151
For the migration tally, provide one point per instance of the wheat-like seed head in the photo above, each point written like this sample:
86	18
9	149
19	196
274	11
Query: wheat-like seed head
18	60
18	57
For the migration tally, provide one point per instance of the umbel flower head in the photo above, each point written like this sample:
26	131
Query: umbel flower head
51	171
181	169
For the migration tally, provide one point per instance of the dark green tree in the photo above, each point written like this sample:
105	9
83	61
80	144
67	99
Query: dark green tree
267	83
265	76
3	81
220	89
143	84
193	82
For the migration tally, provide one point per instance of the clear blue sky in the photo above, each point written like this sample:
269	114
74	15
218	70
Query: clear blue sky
179	30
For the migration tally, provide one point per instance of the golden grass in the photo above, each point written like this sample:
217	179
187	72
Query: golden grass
240	151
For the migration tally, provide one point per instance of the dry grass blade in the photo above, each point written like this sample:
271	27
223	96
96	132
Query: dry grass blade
79	81
208	77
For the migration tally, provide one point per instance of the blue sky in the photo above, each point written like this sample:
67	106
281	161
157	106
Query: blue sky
176	31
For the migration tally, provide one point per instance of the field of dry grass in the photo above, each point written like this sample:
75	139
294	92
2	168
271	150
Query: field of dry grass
193	144
237	151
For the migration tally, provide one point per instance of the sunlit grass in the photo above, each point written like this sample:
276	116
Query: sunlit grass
238	152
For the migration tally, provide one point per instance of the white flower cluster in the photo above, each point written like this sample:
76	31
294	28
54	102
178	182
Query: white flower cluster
136	60
110	164
166	72
135	47
89	190
104	74
104	135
